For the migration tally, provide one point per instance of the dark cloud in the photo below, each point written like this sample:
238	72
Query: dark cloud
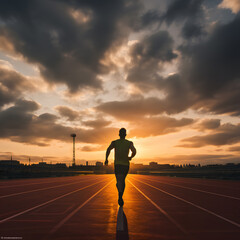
177	98
150	17
132	109
192	30
180	10
68	113
212	65
139	112
208	78
155	126
156	46
68	40
178	95
23	105
96	121
12	85
226	134
96	124
189	12
211	69
19	123
224	101
146	57
93	148
47	117
209	124
234	149
14	120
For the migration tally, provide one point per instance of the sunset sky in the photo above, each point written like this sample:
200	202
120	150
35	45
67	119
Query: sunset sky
166	70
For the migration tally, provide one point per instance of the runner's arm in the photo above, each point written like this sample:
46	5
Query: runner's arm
133	150
108	152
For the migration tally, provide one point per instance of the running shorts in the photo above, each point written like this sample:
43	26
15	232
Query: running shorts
121	169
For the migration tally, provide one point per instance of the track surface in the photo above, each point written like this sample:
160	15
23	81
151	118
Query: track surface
85	207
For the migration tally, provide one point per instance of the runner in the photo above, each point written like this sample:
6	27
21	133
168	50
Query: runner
121	162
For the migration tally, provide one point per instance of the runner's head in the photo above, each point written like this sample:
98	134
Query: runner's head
122	133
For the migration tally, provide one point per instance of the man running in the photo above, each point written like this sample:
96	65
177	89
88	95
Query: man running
121	162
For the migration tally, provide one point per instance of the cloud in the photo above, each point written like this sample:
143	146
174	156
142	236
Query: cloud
176	12
177	98
12	84
140	114
208	77
188	13
155	126
19	123
192	29
71	43
47	118
234	149
16	119
146	57
97	123
68	113
88	148
180	10
211	70
68	40
68	46
226	134
212	65
150	17
131	109
209	124
234	5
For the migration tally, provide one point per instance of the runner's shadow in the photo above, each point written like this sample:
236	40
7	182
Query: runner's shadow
122	225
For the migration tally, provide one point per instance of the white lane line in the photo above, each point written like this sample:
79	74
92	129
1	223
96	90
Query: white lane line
198	190
28	184
193	204
209	184
40	189
45	203
161	210
77	209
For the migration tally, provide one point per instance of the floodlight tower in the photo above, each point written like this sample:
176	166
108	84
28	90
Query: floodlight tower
73	135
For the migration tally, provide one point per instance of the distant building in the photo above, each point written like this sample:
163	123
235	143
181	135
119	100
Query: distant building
99	164
153	164
42	163
165	166
86	163
9	162
60	165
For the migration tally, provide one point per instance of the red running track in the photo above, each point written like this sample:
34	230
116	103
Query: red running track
85	207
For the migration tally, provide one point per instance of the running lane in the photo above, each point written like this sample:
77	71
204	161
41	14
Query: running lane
46	208
202	214
155	208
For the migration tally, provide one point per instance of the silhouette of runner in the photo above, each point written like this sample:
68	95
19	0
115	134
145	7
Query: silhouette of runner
121	161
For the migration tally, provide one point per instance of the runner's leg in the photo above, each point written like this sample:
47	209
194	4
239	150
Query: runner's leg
120	187
120	173
120	183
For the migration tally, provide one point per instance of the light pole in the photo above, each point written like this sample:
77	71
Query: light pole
73	135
